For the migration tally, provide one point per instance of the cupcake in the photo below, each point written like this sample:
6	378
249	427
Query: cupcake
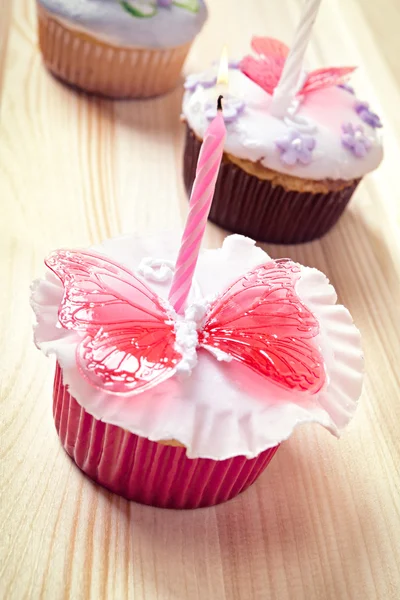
119	48
186	411
283	179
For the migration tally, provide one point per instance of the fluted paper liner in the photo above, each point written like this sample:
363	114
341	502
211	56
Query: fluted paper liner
100	68
144	471
247	205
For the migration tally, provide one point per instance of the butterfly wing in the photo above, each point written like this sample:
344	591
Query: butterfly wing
269	47
128	340
264	71
323	78
261	322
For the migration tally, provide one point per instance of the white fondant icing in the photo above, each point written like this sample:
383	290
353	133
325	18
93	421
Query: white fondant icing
222	409
107	20
253	134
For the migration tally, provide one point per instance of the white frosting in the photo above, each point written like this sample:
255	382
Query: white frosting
108	21
222	409
253	135
156	270
186	344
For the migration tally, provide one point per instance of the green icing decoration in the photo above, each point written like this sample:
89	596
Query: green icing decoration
138	8
144	10
192	5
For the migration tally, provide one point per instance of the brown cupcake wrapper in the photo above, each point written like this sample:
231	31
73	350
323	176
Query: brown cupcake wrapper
106	70
253	207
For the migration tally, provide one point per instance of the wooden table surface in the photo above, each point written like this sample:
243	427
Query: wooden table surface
323	521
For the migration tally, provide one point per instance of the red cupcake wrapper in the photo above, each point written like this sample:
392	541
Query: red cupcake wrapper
144	471
245	204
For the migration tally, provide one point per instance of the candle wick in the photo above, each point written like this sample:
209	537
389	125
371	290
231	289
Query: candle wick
219	103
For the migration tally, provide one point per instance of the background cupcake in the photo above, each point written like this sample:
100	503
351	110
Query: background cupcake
169	413
119	48
285	178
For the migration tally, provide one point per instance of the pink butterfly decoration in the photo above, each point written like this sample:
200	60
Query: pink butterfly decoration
128	333
266	69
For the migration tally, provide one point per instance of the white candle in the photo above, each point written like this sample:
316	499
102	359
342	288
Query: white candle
288	84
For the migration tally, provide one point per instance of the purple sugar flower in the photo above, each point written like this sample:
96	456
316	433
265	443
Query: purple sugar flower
207	80
233	63
355	140
347	87
232	108
366	115
164	3
296	147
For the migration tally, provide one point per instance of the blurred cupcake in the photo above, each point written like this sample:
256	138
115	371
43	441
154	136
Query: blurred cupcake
283	180
119	48
185	411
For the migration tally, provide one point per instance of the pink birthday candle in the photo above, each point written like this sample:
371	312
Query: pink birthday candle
200	203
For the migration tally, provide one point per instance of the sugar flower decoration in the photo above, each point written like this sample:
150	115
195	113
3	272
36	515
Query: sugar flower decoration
233	63
232	109
355	140
366	115
347	88
296	147
207	79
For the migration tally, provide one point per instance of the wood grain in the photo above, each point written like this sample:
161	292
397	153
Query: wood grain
323	522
